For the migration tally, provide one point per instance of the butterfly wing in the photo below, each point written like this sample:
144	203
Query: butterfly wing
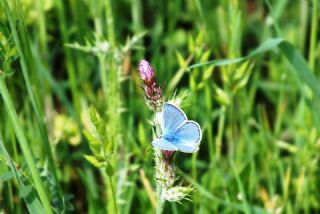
188	137
163	144
172	118
188	147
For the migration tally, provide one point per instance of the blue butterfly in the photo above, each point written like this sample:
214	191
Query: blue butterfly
178	133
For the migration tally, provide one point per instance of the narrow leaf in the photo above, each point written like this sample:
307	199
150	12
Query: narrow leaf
293	55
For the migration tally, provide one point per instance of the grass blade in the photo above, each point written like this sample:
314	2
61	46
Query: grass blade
287	49
26	61
24	146
26	192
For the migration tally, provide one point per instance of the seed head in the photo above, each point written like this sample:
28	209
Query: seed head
177	193
165	175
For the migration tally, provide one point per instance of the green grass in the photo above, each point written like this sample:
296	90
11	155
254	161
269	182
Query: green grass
250	71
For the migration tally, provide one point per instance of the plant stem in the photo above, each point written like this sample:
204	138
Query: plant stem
220	131
160	199
110	26
42	27
111	207
102	60
72	78
104	77
10	197
313	36
112	193
112	96
24	146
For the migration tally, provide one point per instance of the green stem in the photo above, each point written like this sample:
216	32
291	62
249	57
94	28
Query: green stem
160	199
72	80
10	197
112	193
194	177
42	27
104	77
110	26
24	146
113	90
111	206
313	36
220	131
112	95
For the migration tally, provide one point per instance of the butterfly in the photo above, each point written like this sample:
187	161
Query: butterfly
178	133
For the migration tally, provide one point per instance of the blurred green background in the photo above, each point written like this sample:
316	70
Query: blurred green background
261	126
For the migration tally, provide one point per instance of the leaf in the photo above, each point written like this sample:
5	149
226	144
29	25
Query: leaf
222	96
181	61
240	72
109	169
208	72
31	200
94	116
205	56
242	76
93	160
288	50
25	191
6	176
94	142
191	45
301	67
226	202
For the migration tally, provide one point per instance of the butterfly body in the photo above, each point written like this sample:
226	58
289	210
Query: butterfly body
171	138
178	133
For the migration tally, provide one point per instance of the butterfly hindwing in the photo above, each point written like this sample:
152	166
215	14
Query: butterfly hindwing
188	132
163	144
187	147
172	118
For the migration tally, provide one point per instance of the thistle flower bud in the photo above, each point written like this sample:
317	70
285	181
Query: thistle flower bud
175	194
146	71
152	92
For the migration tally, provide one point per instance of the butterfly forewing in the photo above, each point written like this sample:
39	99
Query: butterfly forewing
172	118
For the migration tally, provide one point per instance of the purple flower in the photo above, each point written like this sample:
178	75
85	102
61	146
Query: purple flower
146	71
152	92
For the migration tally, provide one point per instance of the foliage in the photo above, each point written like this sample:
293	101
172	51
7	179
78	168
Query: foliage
249	75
